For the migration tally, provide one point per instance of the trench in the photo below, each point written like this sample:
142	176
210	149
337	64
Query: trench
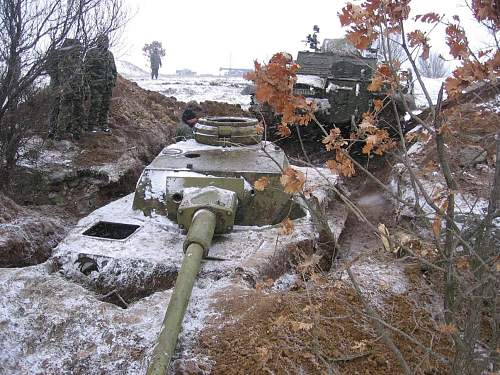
49	209
114	281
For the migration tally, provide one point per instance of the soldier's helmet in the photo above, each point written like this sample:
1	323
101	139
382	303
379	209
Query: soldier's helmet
194	106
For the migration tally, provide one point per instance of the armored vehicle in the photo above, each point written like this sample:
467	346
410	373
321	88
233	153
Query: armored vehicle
192	190
336	79
337	83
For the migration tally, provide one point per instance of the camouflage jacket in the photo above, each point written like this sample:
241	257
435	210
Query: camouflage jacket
70	73
183	132
52	66
100	68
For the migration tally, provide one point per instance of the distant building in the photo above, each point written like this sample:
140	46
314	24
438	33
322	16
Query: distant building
234	72
185	72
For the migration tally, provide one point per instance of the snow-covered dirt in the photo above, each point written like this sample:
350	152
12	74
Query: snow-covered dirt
56	311
186	88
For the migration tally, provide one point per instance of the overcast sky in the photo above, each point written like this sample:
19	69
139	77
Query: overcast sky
204	35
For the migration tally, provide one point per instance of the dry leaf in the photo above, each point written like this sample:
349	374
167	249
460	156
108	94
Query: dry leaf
463	263
286	227
292	180
333	140
261	183
341	165
378	104
300	326
259	128
263	353
449	329
376	84
360	346
309	263
384	234
436	225
283	130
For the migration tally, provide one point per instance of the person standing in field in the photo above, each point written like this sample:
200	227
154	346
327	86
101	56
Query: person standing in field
154	51
155	63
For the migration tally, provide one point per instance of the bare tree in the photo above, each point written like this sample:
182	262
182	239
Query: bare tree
390	48
433	67
30	32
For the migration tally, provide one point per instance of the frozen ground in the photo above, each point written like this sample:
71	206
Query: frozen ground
227	89
198	88
62	322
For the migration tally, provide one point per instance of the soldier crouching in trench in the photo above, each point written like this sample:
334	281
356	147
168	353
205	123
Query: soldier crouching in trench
100	76
189	118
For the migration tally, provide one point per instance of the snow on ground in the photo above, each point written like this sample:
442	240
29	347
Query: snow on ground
130	70
467	205
198	88
378	279
53	326
432	85
492	105
228	89
34	154
57	323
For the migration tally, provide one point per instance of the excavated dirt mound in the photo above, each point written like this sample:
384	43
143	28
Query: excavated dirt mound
27	236
142	122
313	329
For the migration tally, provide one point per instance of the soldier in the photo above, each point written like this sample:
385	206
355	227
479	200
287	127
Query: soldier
155	63
66	83
100	76
189	118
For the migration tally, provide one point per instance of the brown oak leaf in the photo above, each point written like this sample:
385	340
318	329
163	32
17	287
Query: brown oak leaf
261	183
292	180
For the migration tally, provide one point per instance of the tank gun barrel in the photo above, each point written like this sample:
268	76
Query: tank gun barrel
204	211
203	225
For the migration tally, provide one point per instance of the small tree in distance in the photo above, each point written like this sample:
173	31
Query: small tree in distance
149	48
433	67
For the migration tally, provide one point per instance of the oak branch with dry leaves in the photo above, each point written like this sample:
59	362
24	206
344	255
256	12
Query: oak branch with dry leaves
468	261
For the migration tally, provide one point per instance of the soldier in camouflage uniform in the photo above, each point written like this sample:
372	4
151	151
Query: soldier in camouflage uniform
64	66
189	118
100	76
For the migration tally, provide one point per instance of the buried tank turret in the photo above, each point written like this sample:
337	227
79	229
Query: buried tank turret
227	153
206	186
155	239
